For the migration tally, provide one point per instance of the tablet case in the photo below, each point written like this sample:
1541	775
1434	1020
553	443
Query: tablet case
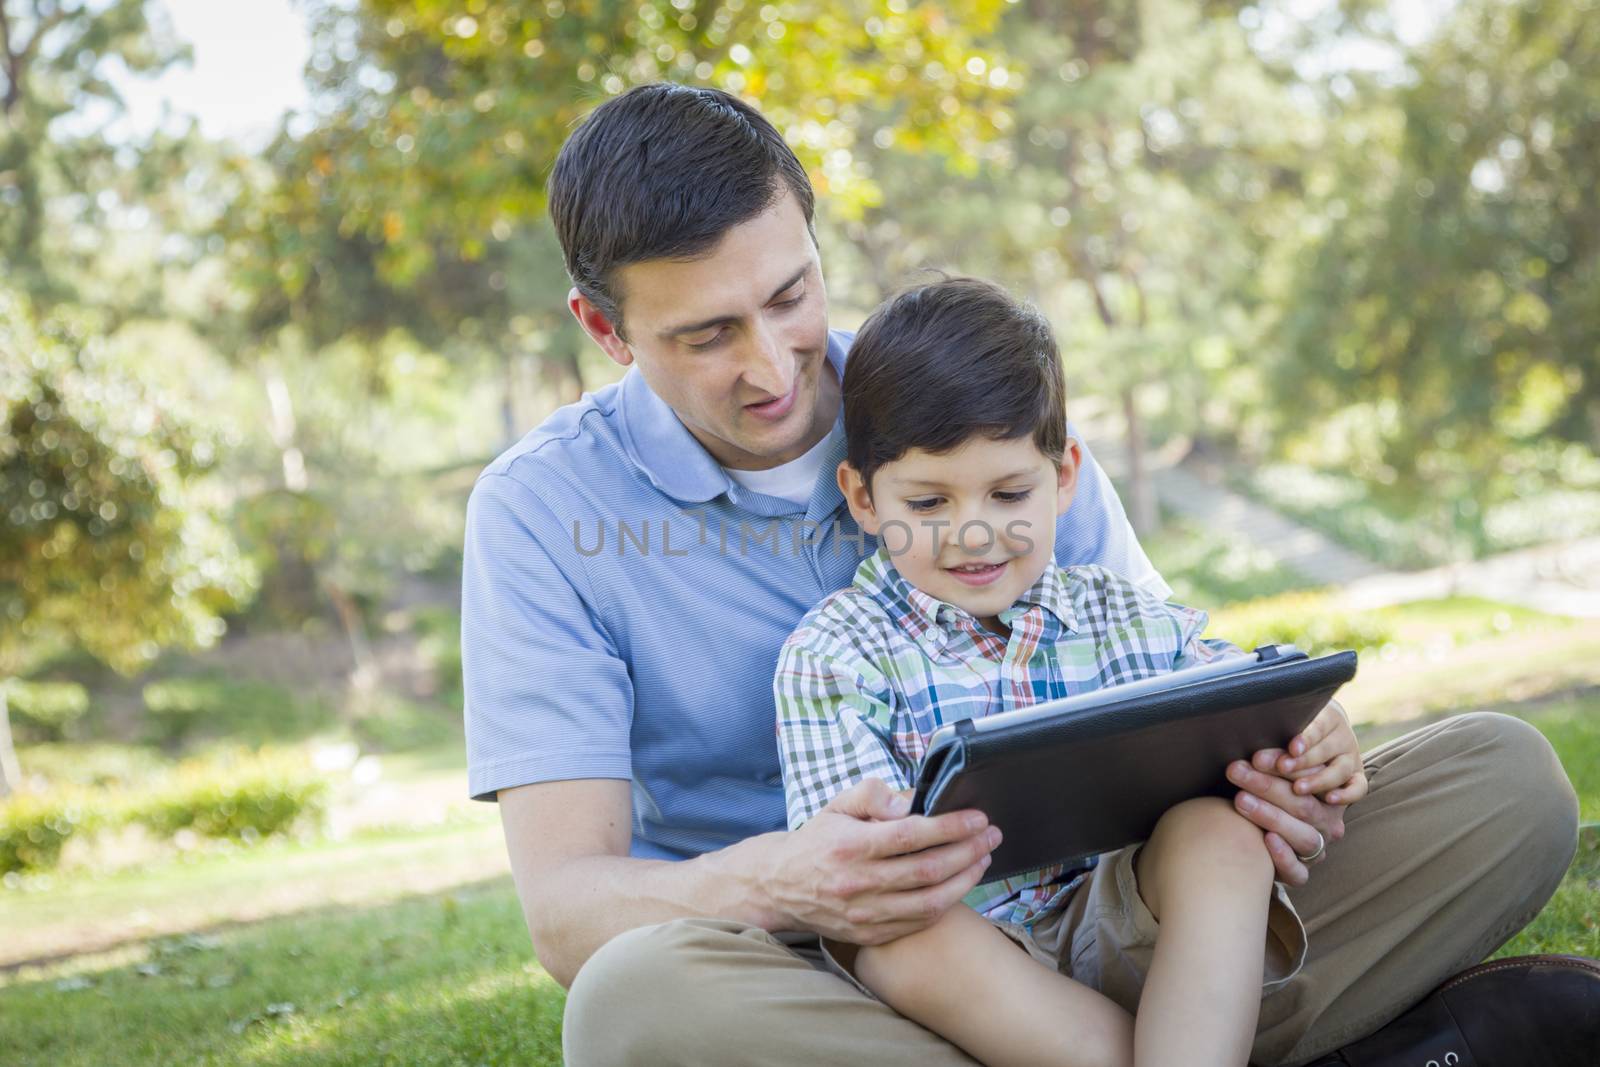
1063	788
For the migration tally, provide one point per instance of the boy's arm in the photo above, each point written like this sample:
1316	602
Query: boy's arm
834	722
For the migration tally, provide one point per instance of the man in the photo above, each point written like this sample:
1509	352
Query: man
632	568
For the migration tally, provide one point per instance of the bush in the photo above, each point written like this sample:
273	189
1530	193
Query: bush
439	633
179	709
1309	620
96	765
243	800
45	711
402	726
35	827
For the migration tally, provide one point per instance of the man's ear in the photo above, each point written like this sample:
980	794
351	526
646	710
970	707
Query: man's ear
1067	476
596	325
858	498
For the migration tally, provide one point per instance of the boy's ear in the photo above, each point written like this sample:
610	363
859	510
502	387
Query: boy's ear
857	498
597	326
1067	476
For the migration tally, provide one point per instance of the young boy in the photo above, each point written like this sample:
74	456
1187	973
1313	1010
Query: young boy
958	461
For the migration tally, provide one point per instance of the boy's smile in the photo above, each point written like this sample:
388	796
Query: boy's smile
973	527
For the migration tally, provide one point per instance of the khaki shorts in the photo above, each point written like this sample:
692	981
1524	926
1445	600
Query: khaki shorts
1104	936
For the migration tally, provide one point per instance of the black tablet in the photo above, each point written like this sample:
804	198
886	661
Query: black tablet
1073	778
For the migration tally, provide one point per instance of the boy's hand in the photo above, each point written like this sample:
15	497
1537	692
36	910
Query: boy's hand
1324	759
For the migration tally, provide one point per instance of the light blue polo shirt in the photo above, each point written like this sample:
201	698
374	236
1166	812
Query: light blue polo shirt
624	601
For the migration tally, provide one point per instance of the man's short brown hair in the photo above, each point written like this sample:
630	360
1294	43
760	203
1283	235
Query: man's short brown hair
662	172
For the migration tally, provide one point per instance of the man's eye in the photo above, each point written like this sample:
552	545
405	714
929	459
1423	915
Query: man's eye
792	301
925	504
1014	497
701	346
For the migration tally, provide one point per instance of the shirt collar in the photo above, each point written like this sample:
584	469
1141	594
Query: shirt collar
932	622
666	452
1050	592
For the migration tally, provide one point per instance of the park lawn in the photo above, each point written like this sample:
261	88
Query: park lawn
450	978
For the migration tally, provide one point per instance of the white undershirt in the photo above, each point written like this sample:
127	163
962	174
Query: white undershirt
793	481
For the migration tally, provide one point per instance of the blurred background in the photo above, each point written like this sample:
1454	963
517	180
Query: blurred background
276	281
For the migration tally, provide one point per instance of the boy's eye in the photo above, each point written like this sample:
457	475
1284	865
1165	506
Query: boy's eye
927	503
1016	496
792	301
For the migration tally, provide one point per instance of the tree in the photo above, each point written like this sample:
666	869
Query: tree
106	544
54	100
1151	159
417	196
1453	294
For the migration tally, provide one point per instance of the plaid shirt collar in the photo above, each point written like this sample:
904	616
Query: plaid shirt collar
933	623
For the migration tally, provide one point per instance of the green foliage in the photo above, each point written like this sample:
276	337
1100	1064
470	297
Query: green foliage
35	827
105	544
233	797
243	799
44	711
1453	288
1208	571
1311	621
401	726
178	710
96	766
56	58
1420	529
439	630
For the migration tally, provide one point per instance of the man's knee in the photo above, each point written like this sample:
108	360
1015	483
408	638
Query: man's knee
639	990
1518	772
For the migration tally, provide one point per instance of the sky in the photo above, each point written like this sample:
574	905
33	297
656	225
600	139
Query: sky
247	70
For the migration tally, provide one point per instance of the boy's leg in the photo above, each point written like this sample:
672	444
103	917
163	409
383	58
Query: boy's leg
1206	876
704	992
964	979
1467	828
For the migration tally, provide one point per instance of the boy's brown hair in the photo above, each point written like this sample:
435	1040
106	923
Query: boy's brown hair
941	363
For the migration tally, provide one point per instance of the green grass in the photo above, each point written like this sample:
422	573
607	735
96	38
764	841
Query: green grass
431	980
441	979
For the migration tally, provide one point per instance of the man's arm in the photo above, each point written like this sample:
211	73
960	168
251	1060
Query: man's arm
558	758
861	871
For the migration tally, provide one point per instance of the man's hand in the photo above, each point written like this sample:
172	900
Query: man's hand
1280	790
863	871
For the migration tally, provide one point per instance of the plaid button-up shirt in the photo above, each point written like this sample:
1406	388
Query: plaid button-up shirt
877	667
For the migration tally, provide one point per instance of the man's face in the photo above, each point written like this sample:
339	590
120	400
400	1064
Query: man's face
734	341
974	527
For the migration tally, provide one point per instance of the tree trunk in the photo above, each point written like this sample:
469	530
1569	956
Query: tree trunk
364	676
1142	511
508	402
281	425
10	771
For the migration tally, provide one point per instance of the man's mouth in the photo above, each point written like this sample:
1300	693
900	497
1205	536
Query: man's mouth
977	573
775	408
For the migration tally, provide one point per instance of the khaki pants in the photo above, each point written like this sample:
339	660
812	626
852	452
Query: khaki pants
1468	828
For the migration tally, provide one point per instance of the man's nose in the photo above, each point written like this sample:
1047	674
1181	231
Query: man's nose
768	364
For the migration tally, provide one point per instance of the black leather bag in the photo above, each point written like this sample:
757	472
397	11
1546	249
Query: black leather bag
1063	787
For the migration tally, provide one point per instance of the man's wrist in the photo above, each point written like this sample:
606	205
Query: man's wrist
741	870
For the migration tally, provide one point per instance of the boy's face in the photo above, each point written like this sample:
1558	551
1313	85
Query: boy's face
735	341
974	527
